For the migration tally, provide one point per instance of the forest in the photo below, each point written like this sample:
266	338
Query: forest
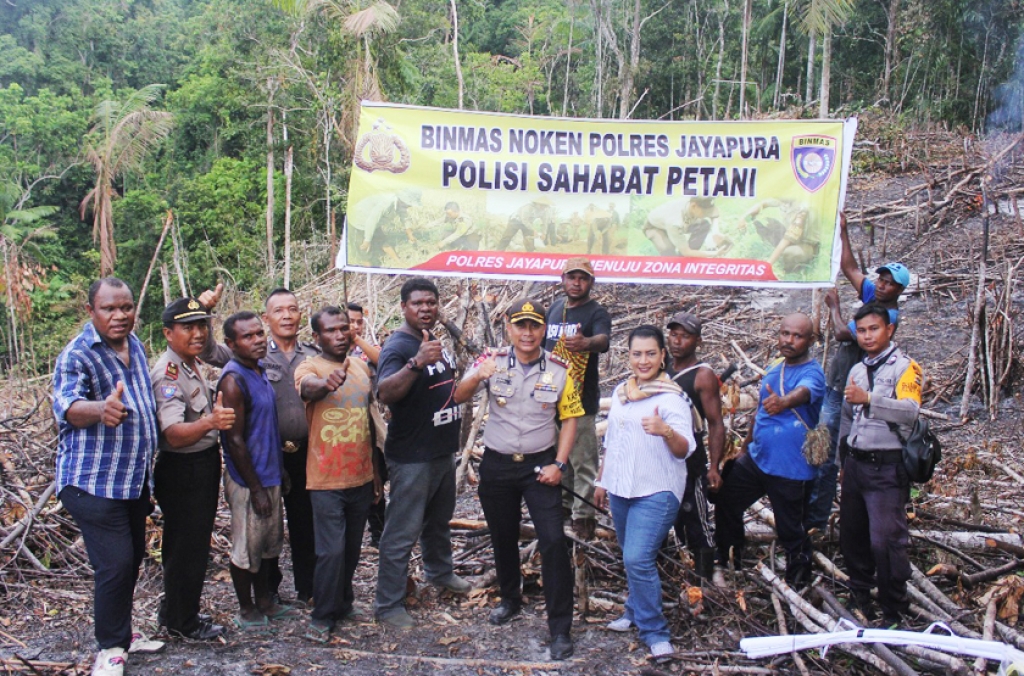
219	133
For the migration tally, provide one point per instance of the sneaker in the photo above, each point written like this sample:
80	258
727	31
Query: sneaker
623	624
661	650
204	631
718	578
109	662
143	644
397	619
453	583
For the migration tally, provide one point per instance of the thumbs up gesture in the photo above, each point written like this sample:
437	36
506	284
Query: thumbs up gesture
222	418
773	403
337	377
430	350
488	366
577	342
654	424
114	410
209	299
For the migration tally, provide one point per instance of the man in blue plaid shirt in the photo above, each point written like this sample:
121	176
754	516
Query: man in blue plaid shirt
106	415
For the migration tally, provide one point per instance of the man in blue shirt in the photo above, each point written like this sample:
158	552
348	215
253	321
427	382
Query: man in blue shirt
892	279
771	459
107	434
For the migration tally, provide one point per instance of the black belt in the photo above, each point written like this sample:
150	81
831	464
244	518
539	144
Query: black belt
519	457
878	457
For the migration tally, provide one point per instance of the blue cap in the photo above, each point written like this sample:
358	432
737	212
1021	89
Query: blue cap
899	273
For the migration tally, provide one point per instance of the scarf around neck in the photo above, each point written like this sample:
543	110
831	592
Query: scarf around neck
634	390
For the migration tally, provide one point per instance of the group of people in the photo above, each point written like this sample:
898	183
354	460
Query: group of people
302	434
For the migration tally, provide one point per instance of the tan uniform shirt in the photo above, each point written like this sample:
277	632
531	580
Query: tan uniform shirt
526	402
182	395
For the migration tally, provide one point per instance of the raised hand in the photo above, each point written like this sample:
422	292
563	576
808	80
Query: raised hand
773	404
222	418
576	342
337	377
114	410
430	350
654	424
209	299
488	366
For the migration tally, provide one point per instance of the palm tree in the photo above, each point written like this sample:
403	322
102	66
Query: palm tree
819	16
123	134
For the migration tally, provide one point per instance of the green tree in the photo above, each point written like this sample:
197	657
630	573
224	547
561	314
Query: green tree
123	135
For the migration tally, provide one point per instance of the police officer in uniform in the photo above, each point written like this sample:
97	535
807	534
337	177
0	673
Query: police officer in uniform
187	473
525	455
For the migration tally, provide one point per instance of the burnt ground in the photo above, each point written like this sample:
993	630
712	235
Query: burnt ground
46	618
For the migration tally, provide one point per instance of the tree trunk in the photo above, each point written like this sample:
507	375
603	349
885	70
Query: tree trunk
568	60
808	96
890	49
455	52
826	72
288	166
270	192
721	57
626	90
782	56
747	11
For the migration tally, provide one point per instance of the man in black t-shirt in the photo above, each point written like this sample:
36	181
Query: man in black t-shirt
416	379
578	330
694	524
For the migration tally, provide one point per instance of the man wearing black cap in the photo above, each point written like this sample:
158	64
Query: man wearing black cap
578	330
892	279
187	475
694	525
525	454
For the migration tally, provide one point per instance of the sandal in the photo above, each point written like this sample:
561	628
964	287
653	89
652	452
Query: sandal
283	612
318	633
243	624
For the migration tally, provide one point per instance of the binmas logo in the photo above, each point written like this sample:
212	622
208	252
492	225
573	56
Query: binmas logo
813	160
382	150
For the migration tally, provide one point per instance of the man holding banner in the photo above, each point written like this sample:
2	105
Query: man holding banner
578	330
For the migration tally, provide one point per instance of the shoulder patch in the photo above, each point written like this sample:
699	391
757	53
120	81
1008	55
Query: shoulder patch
169	391
171	371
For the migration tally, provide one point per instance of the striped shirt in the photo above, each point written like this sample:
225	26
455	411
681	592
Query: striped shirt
638	464
108	462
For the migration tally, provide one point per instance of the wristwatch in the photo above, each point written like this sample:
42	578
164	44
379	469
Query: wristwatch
560	465
412	365
669	433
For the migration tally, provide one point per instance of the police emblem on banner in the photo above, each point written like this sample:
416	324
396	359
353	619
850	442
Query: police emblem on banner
382	149
813	158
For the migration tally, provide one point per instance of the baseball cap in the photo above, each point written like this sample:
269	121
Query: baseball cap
185	311
899	273
687	321
578	263
525	308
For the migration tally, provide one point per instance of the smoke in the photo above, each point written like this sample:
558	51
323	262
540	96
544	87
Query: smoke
1008	115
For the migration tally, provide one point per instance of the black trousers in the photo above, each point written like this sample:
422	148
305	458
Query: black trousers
340	518
874	537
694	524
504	485
301	535
744	483
115	538
187	487
378	511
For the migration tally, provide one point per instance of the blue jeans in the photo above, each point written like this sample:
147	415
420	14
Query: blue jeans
823	486
641	525
339	518
422	503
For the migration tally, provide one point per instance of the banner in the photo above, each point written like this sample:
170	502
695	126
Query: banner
447	192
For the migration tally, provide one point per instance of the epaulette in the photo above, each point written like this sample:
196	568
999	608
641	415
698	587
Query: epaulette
555	359
171	371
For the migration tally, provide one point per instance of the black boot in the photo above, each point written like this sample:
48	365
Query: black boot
704	562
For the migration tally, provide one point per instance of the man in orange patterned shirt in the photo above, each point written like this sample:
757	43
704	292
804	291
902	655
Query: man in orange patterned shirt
340	473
